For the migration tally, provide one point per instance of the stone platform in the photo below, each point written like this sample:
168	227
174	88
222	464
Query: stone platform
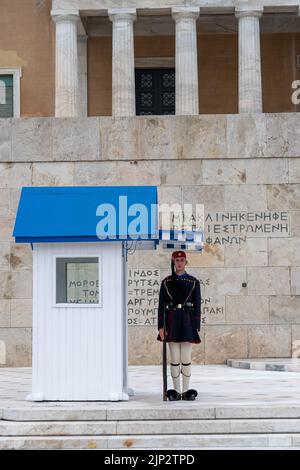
279	365
235	408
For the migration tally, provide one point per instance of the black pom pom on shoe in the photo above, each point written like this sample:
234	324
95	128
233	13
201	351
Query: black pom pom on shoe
173	395
189	394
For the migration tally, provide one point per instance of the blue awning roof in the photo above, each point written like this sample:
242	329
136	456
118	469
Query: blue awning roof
60	214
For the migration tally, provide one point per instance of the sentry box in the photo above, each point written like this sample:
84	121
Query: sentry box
80	285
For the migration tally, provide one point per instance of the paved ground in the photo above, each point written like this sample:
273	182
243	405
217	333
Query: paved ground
217	385
235	408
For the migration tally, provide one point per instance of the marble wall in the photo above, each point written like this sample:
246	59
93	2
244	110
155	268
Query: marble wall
246	171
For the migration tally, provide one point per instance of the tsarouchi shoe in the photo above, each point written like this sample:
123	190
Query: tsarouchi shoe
189	394
173	395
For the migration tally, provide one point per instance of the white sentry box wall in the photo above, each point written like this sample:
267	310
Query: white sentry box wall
80	351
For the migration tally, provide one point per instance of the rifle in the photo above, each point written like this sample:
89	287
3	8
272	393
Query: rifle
165	382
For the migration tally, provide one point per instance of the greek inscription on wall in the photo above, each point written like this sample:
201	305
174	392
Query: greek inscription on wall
143	296
233	228
212	308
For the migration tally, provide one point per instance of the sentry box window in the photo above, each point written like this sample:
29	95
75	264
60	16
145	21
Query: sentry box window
77	281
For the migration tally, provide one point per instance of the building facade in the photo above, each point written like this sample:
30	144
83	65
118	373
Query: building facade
197	97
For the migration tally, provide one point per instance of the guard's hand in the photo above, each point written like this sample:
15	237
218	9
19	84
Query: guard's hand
161	333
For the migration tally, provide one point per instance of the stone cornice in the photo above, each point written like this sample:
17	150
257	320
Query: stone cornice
100	7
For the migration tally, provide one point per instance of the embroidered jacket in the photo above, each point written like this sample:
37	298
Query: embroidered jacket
184	291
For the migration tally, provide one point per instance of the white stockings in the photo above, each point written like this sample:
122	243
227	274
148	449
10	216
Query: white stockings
181	355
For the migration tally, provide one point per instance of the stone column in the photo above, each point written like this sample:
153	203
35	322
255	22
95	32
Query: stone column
82	74
186	63
66	63
250	87
123	75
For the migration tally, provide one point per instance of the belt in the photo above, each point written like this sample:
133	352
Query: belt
188	304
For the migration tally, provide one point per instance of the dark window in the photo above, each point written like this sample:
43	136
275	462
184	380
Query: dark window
77	280
155	91
6	96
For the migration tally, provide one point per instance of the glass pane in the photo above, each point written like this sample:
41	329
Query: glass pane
6	96
77	280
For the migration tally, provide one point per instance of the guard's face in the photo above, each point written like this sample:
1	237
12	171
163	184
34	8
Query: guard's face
180	262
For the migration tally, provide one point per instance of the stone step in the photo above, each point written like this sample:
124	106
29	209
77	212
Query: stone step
169	411
148	427
278	365
166	442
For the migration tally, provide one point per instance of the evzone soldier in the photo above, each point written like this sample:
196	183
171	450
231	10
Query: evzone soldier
180	292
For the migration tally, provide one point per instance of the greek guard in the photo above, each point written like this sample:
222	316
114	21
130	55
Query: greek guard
179	316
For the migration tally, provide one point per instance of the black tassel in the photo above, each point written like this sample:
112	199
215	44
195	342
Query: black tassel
177	288
173	270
